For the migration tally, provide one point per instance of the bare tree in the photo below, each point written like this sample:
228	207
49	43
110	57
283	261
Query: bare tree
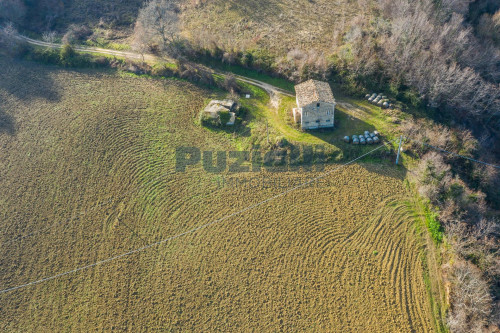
471	300
158	23
433	177
140	41
49	36
432	50
231	85
8	37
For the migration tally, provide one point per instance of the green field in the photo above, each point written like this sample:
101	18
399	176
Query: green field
87	172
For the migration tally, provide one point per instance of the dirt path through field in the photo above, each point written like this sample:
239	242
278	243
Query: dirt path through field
152	58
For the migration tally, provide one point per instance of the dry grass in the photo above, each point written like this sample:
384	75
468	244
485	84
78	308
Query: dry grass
102	144
277	26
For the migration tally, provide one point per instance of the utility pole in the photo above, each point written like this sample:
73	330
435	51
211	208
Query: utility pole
399	149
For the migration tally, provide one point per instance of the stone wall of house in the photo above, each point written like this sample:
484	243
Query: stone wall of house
318	115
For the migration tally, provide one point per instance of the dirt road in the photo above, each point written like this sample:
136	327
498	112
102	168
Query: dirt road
152	58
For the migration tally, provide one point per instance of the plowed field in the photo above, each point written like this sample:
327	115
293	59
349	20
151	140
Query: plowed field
86	172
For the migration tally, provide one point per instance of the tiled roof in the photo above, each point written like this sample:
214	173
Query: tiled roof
313	91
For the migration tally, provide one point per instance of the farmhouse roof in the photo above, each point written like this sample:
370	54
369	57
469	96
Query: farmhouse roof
313	91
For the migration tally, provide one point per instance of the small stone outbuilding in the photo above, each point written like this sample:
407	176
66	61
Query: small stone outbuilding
216	106
315	105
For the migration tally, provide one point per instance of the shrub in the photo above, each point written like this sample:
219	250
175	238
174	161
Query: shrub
67	56
163	70
46	56
433	224
433	177
224	117
208	120
231	85
247	59
76	33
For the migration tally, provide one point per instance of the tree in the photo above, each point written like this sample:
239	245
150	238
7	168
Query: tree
12	11
158	24
51	10
432	50
49	36
471	300
67	55
8	38
140	41
230	84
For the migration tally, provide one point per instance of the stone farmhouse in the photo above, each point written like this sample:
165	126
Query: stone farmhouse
315	105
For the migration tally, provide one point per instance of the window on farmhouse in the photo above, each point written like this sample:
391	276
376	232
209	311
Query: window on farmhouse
317	105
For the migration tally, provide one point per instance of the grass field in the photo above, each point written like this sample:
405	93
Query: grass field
87	172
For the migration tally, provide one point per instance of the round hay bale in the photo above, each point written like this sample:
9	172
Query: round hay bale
379	103
376	133
369	141
347	139
355	141
385	105
362	141
370	99
367	133
376	139
367	96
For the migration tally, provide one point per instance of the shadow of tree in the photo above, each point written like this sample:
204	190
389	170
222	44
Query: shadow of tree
27	80
7	123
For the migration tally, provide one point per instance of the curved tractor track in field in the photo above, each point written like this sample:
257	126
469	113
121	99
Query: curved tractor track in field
152	58
341	257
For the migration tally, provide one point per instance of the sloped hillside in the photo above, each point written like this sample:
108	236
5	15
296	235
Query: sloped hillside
274	25
87	172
